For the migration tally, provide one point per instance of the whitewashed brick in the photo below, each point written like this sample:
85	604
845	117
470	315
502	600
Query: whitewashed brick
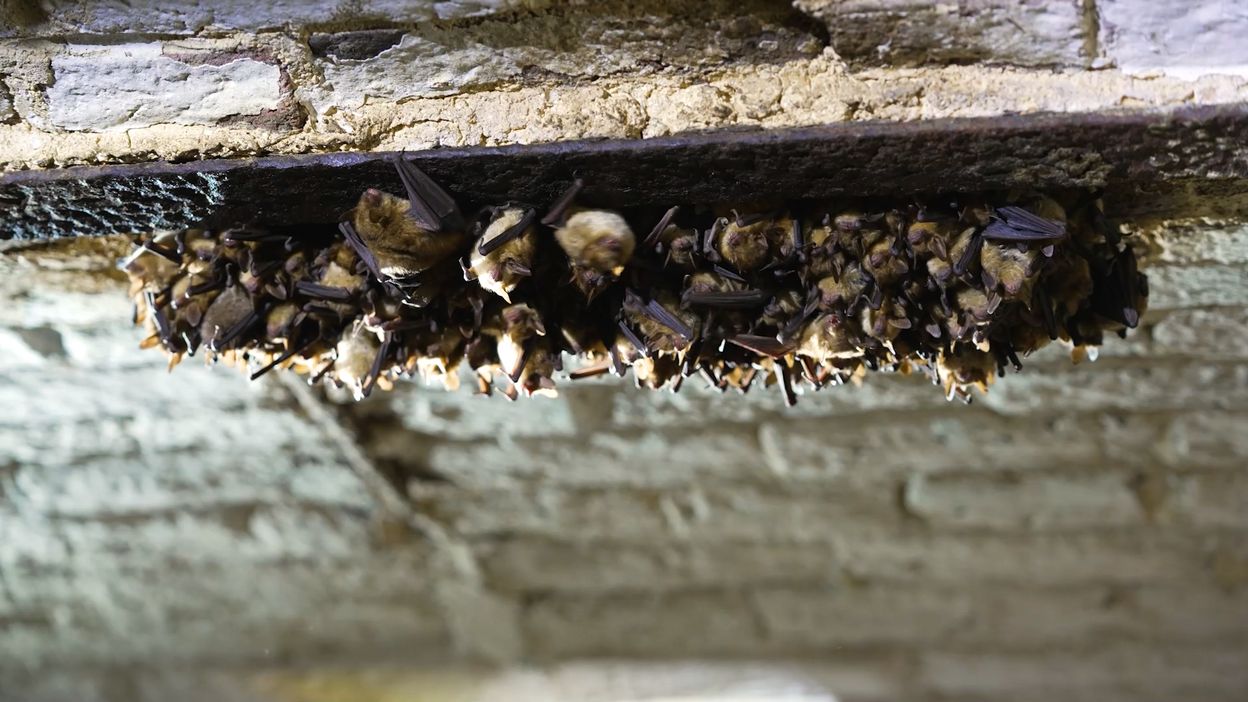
1207	439
849	615
1022	619
432	413
562	566
679	624
1005	502
652	459
1214	500
1186	39
1029	32
739	512
101	88
1125	387
1171	287
696	405
6	104
883	447
1121	672
1011	560
1217	333
104	613
184	17
1198	242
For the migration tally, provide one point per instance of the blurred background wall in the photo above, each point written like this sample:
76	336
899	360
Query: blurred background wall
1079	533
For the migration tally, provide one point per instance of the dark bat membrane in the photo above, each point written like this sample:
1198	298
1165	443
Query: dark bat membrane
801	296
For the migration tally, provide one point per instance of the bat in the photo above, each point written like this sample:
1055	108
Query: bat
802	296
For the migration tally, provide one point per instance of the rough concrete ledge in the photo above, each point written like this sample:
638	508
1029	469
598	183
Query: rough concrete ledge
1121	150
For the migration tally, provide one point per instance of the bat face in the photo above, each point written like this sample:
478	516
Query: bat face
840	290
826	338
597	239
503	256
746	247
964	368
680	246
598	244
885	264
1008	269
355	355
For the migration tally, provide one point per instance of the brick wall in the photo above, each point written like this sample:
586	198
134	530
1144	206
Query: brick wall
1080	531
1077	534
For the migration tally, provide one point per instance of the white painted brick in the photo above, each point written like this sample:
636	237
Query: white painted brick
149	16
1131	439
1187	39
860	616
1005	502
1017	618
1220	333
652	459
92	311
413	68
649	625
886	446
433	413
740	512
1027	32
224	534
695	405
1122	672
1171	287
104	612
918	613
84	394
561	566
918	555
434	61
1022	619
1207	439
1198	241
6	104
1213	500
1107	386
118	485
102	88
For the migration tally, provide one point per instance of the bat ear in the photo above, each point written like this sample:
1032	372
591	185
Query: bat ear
518	268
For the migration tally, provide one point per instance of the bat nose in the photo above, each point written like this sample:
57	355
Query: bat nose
372	196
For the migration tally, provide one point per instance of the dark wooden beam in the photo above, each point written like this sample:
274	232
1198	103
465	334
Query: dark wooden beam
1149	161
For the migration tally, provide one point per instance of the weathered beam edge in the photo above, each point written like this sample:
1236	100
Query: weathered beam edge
1154	152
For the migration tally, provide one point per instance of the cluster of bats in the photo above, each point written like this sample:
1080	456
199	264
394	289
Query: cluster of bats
796	295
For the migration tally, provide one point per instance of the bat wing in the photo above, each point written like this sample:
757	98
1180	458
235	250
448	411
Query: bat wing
485	248
762	345
432	207
1017	224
